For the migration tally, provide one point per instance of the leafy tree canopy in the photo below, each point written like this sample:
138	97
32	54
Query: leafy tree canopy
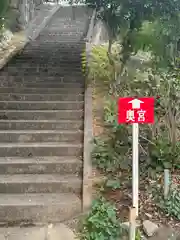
3	7
125	20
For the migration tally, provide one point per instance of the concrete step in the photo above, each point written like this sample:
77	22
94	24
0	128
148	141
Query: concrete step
56	46
77	46
47	36
75	66
61	37
56	33
44	49
62	40
55	67
41	115
69	29
50	72
60	72
42	74
41	125
58	54
48	57
25	136
27	69
42	97
39	105
42	84
35	208
43	59
45	79
39	183
42	90
40	149
41	165
66	45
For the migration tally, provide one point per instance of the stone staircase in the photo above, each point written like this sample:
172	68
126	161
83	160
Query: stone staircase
41	124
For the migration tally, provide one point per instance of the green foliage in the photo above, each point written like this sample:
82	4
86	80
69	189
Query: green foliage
111	155
111	152
3	9
113	184
125	18
110	112
169	205
163	155
104	157
101	223
99	67
138	235
111	116
161	38
84	62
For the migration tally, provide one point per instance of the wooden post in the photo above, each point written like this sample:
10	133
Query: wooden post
132	223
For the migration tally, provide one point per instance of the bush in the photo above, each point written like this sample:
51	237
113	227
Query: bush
3	7
158	141
111	155
3	10
110	111
163	155
104	156
100	68
101	223
169	205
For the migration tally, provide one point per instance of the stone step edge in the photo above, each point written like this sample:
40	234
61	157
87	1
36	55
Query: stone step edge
40	111
38	201
45	102
52	88
40	121
30	131
41	144
36	198
41	160
38	178
46	94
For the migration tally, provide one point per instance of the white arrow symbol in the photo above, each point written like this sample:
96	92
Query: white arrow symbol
136	103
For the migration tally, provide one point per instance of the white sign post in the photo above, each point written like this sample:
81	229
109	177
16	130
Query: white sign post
135	166
135	157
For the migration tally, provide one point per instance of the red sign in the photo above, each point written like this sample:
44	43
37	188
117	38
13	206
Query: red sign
136	110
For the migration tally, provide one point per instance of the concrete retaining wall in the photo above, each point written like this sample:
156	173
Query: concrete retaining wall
21	13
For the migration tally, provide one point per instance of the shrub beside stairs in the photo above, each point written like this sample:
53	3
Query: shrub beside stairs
41	124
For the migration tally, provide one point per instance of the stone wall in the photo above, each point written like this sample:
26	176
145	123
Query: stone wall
100	33
22	12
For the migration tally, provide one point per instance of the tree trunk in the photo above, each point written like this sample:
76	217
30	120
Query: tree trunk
112	63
